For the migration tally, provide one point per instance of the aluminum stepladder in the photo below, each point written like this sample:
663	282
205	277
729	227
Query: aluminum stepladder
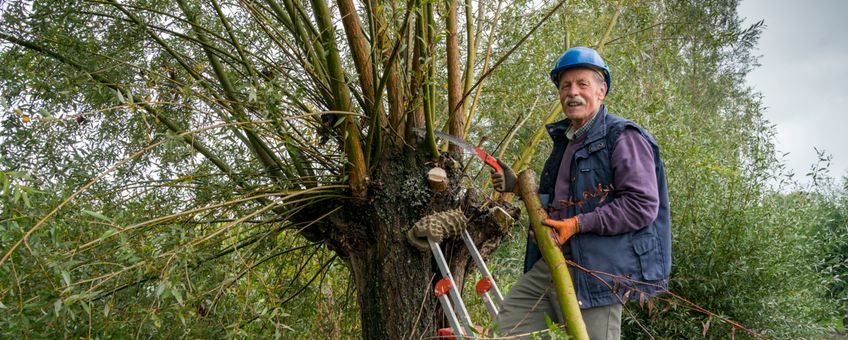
462	325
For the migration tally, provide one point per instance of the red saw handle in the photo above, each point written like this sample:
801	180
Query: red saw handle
491	161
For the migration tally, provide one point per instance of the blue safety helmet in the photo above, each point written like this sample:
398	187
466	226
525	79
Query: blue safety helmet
581	56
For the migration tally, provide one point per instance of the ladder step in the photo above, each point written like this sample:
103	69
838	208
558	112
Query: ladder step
446	291
484	285
445	333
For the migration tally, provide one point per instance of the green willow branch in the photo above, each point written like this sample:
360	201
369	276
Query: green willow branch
395	52
425	46
226	251
170	50
25	238
471	45
163	219
504	145
193	142
603	41
287	200
324	269
180	60
312	68
234	279
414	111
508	53
308	283
168	31
260	149
479	90
233	40
531	147
357	170
389	81
310	39
315	67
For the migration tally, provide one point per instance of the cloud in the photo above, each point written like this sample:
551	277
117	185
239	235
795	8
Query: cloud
804	77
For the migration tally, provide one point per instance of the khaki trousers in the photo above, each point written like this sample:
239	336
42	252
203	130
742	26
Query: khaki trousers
533	298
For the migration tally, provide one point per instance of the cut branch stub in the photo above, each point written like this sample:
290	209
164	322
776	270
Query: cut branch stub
502	218
438	179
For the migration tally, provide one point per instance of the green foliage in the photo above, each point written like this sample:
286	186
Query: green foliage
166	243
832	237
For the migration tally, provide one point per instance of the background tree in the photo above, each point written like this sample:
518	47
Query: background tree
250	168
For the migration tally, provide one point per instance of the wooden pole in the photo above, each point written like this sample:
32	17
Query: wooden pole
553	256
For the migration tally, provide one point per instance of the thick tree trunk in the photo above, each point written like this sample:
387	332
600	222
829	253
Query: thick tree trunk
394	280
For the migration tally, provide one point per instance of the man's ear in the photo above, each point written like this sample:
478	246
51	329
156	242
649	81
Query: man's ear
603	90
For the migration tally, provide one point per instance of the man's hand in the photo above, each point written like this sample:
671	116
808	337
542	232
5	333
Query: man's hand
504	182
564	229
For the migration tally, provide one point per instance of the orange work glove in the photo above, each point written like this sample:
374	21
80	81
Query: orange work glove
564	229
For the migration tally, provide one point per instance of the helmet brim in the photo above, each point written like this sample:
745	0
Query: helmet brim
557	72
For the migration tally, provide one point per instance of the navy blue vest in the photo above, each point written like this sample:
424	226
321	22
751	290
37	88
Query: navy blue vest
643	255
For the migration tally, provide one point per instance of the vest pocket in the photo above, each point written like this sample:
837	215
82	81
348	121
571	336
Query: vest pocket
649	257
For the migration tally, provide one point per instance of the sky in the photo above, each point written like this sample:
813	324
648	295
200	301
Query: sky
804	78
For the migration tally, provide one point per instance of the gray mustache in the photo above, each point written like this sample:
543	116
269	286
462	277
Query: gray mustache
578	100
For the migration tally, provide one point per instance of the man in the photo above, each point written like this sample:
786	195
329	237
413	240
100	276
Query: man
609	209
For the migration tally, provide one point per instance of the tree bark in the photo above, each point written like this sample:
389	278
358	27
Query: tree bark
455	81
360	53
393	283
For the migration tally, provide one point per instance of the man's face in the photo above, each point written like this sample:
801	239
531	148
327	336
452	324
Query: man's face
580	94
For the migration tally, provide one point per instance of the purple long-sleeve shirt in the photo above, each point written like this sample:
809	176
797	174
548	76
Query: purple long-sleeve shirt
635	183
